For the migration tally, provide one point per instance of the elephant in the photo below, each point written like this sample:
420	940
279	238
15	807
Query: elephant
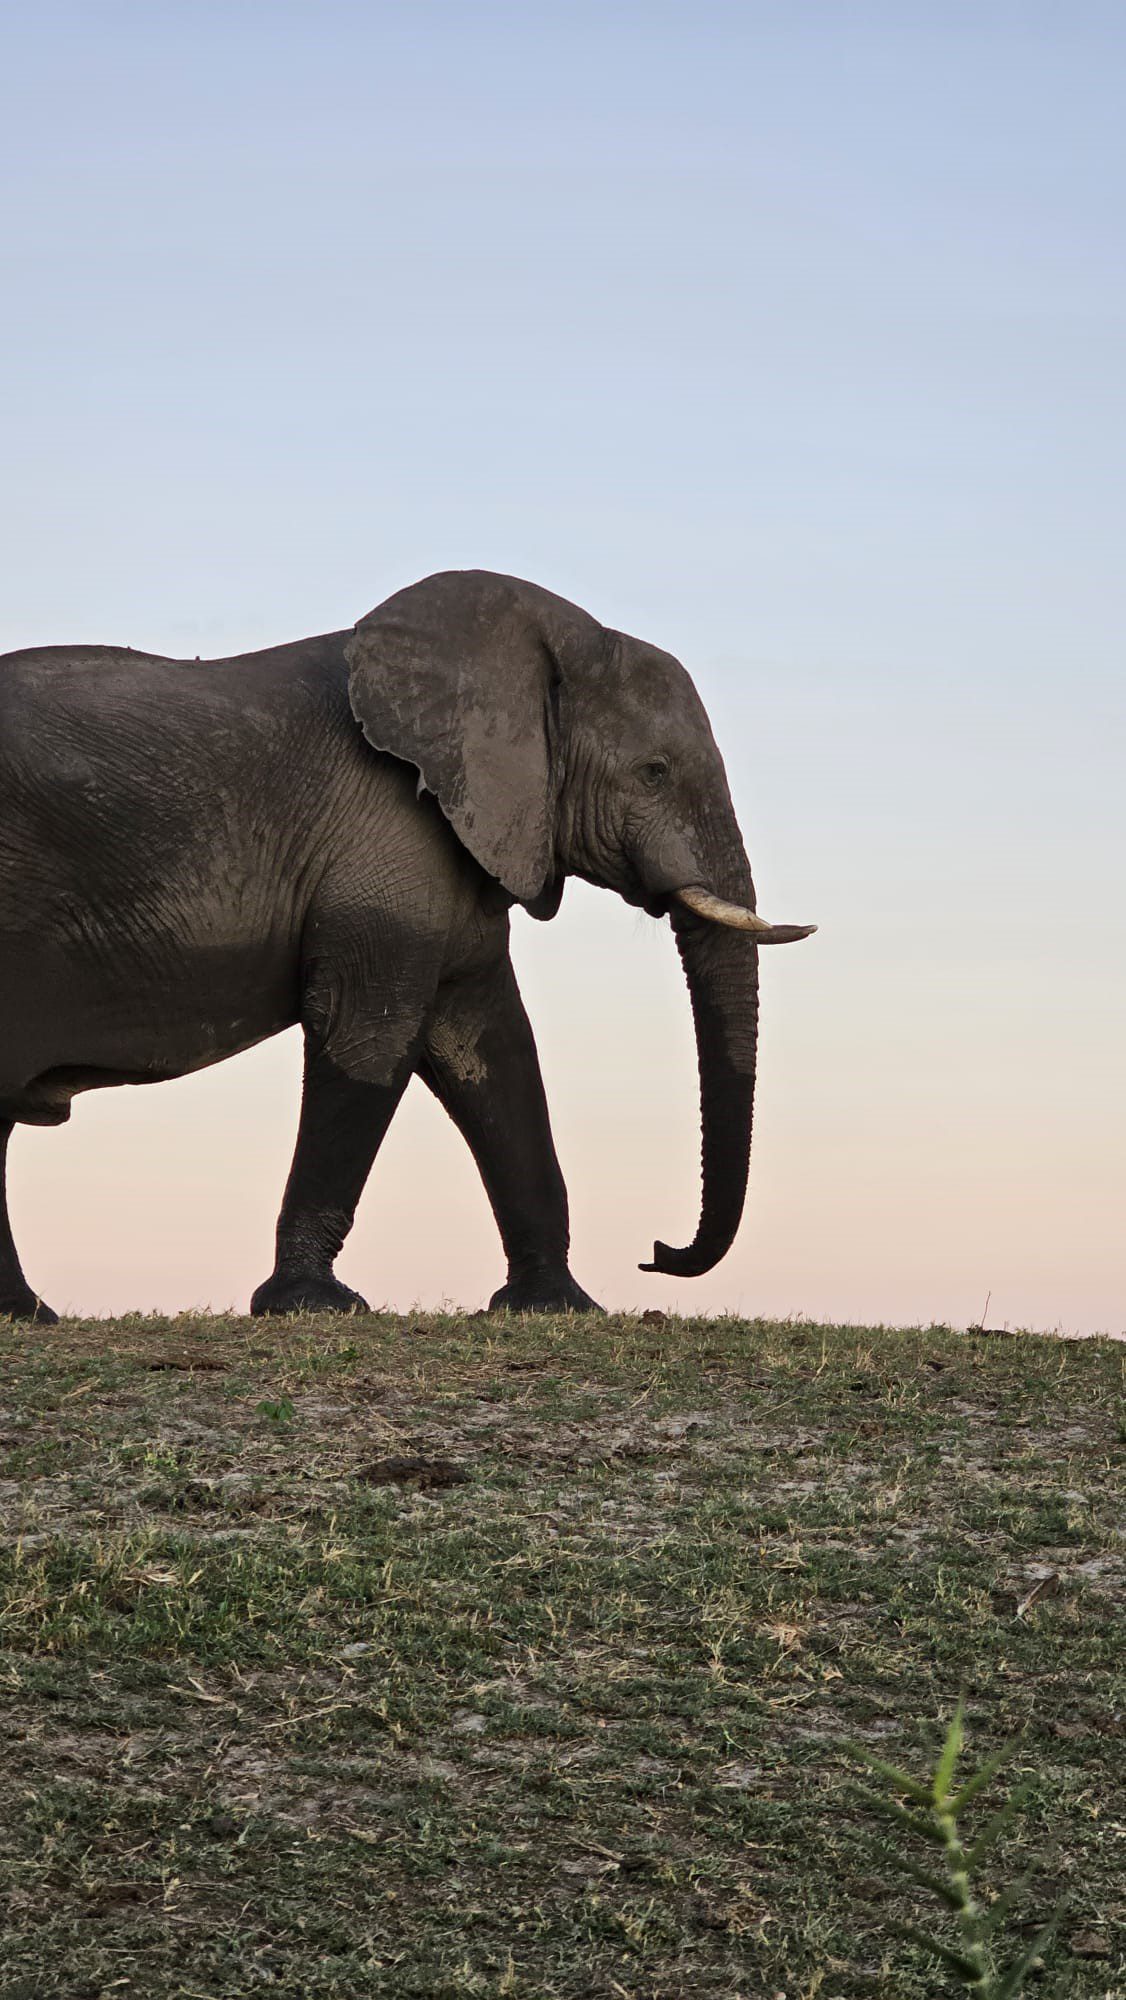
198	854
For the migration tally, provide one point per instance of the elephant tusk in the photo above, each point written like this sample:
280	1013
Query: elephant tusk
713	908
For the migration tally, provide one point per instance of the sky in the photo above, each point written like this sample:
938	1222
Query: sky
786	336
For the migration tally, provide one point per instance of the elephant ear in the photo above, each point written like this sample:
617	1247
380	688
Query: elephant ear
459	675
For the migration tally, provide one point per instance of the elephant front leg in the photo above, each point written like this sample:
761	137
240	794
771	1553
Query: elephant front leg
344	1117
480	1061
17	1300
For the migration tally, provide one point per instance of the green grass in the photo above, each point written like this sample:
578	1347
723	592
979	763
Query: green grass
579	1725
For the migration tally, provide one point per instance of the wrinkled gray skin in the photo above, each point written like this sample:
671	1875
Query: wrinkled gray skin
196	855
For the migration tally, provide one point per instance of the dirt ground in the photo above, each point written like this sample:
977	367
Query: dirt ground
508	1656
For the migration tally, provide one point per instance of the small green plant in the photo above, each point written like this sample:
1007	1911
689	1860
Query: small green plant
161	1458
935	1814
279	1412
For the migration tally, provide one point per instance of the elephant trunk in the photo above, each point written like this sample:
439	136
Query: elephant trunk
721	967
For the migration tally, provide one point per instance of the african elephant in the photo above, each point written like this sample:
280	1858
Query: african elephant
195	855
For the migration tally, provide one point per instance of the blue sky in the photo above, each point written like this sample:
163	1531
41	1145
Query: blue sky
788	336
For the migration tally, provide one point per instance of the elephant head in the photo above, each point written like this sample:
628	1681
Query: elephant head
557	747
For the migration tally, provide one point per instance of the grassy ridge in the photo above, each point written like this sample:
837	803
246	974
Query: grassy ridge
568	1718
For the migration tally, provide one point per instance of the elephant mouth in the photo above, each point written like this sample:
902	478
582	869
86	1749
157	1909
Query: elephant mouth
655	903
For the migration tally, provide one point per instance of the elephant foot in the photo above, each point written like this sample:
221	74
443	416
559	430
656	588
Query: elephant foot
540	1293
303	1293
23	1304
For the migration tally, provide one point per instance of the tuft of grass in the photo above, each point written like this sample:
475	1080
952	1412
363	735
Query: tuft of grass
277	1409
933	1815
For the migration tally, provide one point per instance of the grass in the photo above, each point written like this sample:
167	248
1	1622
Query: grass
933	1815
575	1723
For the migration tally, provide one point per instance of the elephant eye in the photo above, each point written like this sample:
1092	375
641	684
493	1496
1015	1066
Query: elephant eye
654	771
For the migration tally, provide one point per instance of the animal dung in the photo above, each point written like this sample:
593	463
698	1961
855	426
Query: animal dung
422	1472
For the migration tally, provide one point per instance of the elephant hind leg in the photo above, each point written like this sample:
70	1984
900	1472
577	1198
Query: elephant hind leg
17	1300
